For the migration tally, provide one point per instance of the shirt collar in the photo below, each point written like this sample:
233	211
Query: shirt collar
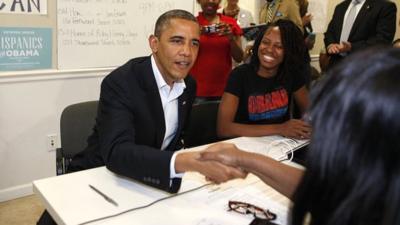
160	79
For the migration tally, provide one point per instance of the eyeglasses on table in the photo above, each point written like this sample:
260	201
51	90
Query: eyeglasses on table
246	208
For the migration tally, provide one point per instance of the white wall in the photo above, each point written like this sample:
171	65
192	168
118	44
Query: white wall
31	105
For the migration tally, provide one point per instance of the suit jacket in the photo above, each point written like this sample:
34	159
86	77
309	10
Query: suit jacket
130	127
285	9
375	24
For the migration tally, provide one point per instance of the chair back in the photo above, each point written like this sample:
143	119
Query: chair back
202	124
76	124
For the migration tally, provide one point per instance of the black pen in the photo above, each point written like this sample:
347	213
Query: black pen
108	199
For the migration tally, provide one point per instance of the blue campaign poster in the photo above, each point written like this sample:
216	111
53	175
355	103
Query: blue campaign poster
25	48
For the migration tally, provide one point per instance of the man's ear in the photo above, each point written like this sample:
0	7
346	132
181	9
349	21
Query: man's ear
153	42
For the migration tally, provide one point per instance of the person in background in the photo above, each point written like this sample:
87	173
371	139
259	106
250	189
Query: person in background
243	17
312	73
274	10
219	42
306	18
352	174
256	101
358	24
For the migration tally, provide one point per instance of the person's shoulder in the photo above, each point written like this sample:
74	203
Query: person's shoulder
384	3
190	82
290	3
139	60
134	63
227	19
244	67
128	69
242	70
201	19
344	3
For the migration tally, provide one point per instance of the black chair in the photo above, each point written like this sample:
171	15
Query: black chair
202	124
76	125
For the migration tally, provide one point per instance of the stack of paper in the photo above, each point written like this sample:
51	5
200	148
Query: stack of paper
276	147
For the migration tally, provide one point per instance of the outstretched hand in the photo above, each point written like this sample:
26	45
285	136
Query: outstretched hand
214	171
218	172
225	153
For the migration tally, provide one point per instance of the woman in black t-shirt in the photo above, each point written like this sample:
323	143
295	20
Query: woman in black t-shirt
256	101
352	174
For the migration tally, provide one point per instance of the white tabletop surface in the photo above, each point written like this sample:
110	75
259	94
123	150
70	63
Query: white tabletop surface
69	199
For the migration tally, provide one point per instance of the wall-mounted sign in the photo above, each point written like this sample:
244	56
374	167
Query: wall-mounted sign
25	48
23	6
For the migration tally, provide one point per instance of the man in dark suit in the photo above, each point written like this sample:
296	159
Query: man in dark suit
142	111
143	108
374	22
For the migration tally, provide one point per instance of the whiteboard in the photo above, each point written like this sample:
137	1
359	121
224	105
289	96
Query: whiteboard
107	33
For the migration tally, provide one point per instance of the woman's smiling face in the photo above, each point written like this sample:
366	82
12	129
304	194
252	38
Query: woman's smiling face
271	52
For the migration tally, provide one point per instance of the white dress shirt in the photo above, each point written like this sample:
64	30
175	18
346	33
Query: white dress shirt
358	8
169	99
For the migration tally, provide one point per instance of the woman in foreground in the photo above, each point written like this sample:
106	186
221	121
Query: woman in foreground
352	174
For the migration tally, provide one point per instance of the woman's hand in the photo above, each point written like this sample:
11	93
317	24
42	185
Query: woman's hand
295	129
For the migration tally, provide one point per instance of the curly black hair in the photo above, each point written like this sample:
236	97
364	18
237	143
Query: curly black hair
295	59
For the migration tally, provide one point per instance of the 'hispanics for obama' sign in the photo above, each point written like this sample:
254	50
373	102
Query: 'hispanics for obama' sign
25	48
23	6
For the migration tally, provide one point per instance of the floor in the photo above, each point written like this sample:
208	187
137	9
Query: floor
21	211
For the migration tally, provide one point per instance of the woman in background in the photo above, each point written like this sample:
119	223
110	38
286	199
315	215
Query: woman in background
243	17
352	174
219	43
256	101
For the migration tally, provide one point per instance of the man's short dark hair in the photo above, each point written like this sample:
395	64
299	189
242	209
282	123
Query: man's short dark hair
165	18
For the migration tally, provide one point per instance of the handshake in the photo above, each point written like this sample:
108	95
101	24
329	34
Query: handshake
218	163
223	161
